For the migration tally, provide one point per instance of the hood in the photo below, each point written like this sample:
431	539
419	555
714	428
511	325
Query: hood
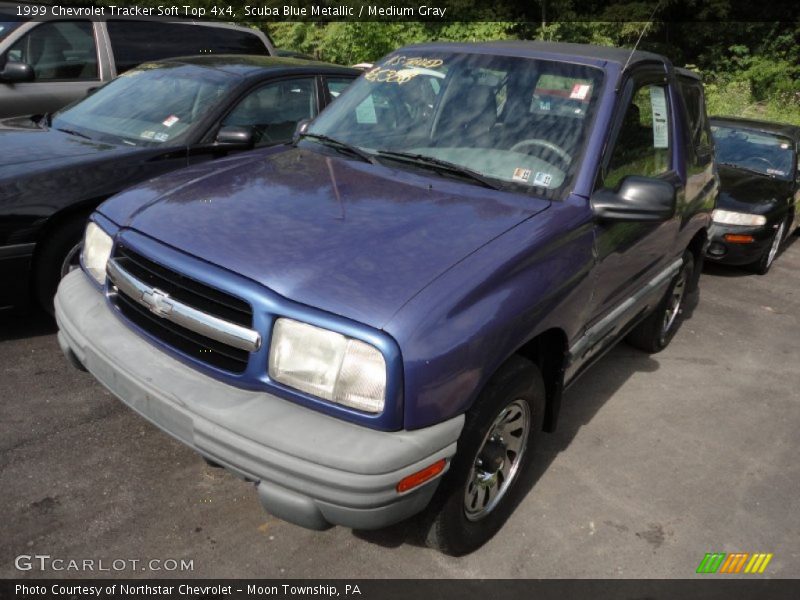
44	171
351	238
746	191
24	143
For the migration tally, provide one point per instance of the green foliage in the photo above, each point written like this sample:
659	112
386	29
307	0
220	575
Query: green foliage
353	42
735	99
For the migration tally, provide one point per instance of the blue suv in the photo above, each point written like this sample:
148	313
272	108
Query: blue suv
381	319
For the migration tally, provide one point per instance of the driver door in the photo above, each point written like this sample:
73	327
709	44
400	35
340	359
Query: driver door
631	254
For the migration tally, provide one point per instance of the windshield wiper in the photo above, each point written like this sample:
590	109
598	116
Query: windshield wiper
748	169
341	146
73	132
441	166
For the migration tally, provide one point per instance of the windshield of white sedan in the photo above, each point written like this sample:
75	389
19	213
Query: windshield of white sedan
754	150
147	106
514	122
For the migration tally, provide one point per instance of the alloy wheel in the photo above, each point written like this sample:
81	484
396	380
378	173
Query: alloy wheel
498	459
776	244
675	304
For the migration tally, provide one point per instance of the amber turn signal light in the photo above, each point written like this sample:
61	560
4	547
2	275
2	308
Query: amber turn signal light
735	238
420	477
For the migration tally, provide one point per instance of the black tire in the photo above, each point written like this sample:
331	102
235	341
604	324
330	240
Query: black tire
447	526
50	260
763	264
656	331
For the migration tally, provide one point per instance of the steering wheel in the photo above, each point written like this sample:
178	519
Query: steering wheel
557	150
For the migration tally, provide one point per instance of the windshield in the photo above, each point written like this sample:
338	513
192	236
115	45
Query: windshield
149	105
517	122
7	27
754	150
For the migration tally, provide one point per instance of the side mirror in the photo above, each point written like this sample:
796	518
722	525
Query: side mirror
637	199
235	137
300	129
17	72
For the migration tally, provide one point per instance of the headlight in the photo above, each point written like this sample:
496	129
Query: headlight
96	250
727	217
328	365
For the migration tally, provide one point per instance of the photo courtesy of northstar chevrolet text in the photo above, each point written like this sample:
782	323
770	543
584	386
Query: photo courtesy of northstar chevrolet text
352	291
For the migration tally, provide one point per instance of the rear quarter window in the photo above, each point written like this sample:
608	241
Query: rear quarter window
136	42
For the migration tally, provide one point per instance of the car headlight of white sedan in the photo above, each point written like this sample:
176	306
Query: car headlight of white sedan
728	217
96	251
328	365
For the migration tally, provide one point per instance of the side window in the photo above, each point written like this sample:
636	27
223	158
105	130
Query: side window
274	109
136	42
336	85
642	145
58	51
699	132
222	40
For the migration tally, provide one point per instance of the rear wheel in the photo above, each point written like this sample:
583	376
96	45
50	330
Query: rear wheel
763	264
489	473
657	330
59	255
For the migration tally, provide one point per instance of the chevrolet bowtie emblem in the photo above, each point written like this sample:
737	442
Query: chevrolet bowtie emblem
158	302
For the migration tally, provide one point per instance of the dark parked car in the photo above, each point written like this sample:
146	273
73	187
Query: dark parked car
759	203
153	119
382	320
50	62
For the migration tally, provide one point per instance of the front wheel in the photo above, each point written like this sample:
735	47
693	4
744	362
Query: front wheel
489	473
59	255
657	330
763	264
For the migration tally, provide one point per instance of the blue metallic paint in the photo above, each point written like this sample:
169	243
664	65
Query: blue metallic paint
456	332
268	306
354	239
456	276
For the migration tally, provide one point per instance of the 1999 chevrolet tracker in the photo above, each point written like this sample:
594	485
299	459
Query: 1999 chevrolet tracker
380	320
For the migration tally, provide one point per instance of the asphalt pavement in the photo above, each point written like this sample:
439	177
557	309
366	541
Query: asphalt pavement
657	460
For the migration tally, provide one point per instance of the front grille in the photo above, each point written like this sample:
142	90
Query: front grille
202	297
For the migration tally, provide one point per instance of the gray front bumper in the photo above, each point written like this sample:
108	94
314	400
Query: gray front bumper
310	469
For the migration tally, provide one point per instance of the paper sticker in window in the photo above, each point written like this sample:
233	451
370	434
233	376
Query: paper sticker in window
542	179
521	174
658	104
580	91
